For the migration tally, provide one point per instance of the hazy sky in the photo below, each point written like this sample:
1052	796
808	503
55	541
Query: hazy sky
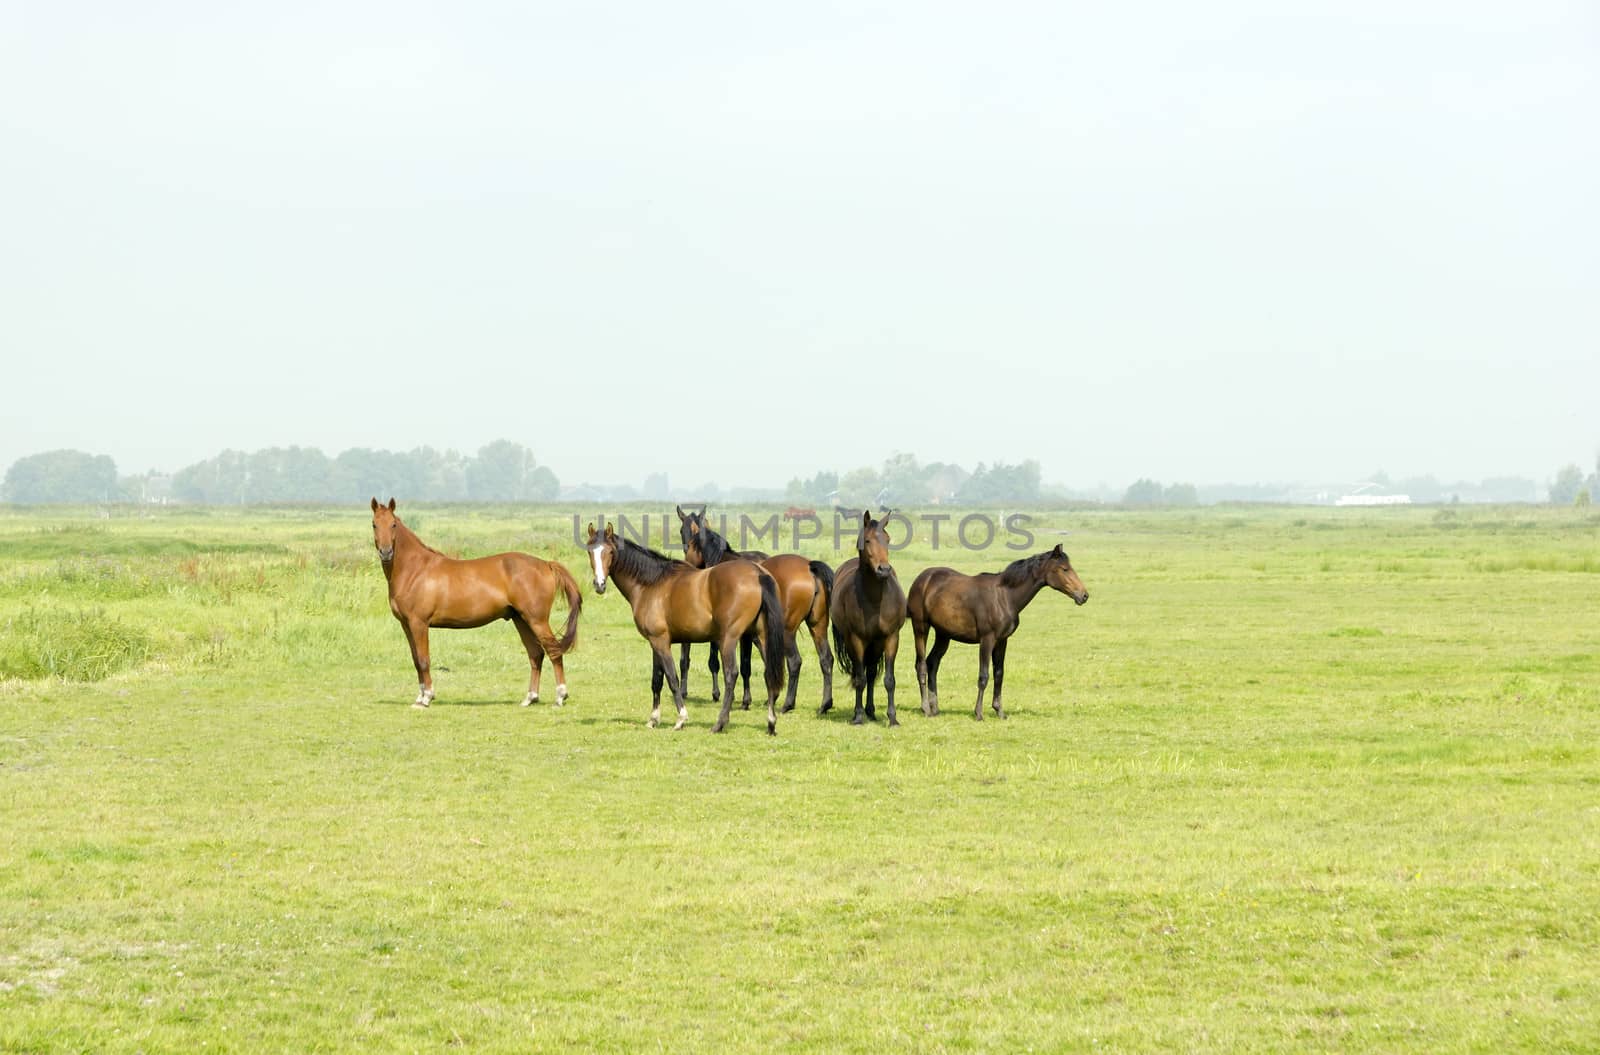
739	241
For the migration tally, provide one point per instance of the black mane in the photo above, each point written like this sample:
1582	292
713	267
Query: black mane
643	563
1024	571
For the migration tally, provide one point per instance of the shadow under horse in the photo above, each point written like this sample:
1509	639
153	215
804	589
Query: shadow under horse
428	589
983	610
804	588
868	609
673	602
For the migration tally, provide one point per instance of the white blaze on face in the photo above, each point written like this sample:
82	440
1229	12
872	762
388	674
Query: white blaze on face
599	572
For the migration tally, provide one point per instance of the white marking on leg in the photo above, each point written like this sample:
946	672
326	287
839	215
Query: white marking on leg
561	694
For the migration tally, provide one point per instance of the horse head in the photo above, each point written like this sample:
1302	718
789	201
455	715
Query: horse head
383	524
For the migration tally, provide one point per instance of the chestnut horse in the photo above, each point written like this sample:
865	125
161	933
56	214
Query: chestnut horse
868	609
804	586
428	589
674	602
980	610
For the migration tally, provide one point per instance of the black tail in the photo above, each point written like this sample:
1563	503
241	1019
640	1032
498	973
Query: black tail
841	654
824	576
569	635
772	609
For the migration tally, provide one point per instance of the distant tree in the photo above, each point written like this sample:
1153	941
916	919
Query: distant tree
1180	495
289	474
813	491
62	476
1143	492
859	488
504	471
903	480
1565	487
655	486
1001	483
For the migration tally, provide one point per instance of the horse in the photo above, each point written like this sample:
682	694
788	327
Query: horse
688	525
868	608
428	589
674	602
804	586
980	610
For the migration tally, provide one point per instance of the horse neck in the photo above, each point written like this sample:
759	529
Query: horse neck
1022	593
867	580
629	583
408	550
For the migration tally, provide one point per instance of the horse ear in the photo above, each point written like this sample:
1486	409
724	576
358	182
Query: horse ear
374	504
592	531
866	518
611	532
1058	550
681	514
391	503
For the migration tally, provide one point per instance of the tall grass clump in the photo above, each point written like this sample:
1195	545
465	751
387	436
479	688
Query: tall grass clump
71	645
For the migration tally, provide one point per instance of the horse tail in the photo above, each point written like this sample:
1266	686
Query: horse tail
569	634
840	653
821	572
772	609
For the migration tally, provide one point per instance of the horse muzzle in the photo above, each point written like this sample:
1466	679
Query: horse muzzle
599	586
883	571
1081	598
386	555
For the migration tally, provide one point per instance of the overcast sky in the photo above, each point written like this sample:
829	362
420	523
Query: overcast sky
738	242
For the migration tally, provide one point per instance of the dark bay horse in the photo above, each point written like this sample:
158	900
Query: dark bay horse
804	586
868	609
674	602
980	610
428	589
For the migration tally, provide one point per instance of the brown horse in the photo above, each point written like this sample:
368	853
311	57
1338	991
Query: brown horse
674	602
690	524
428	589
980	610
868	609
804	586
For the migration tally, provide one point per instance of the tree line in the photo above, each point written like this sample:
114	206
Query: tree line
502	471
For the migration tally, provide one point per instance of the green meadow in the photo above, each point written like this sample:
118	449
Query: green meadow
1292	780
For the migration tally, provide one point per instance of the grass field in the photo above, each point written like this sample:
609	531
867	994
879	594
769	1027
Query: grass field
1292	780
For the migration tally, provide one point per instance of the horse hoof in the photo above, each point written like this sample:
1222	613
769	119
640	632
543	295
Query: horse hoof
772	728
532	697
787	708
650	723
858	720
561	695
678	727
893	722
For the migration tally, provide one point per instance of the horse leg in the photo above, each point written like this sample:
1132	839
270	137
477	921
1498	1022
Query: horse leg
727	697
819	638
999	675
683	665
657	676
418	632
663	650
745	644
791	644
891	648
941	644
858	679
919	639
985	648
874	657
530	642
714	664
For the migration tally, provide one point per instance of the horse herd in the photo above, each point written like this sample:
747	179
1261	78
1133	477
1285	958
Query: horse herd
729	599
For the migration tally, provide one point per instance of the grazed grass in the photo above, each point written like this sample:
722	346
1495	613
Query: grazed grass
1290	781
